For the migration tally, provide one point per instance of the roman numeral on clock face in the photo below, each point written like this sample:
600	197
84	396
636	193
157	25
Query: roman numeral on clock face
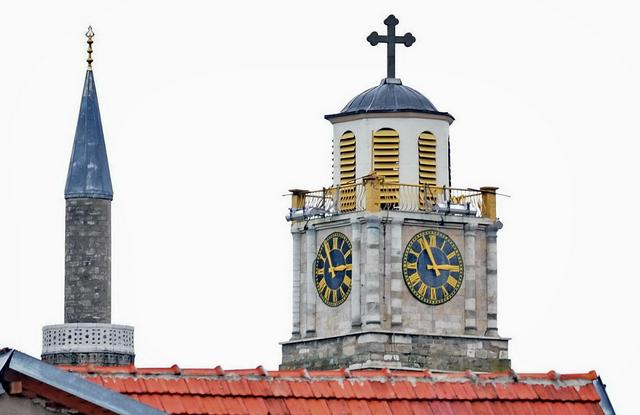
414	279
422	290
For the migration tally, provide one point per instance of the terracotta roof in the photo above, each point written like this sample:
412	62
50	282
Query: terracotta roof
256	391
25	377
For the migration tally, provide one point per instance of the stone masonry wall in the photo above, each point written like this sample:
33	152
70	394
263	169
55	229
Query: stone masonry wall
386	349
96	359
88	261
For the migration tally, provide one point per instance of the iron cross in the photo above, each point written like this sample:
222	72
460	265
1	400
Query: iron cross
391	39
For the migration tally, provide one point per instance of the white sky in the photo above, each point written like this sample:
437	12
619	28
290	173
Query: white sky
211	111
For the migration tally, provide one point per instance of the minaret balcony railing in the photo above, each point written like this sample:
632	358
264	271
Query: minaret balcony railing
372	194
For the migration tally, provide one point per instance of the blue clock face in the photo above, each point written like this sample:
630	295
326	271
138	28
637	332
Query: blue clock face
333	269
432	267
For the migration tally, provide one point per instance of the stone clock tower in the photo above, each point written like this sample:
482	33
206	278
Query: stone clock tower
392	266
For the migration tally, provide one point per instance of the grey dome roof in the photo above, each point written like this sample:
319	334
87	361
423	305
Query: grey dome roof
390	95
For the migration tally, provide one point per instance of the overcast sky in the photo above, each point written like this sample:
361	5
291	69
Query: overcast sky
211	111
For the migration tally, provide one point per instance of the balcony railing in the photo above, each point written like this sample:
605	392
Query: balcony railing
371	194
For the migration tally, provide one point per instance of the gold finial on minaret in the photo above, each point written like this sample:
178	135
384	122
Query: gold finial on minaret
89	36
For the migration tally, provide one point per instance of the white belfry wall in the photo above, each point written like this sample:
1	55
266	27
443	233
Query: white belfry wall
409	129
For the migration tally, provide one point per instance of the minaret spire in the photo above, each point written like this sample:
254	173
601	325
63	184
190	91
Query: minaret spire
87	335
89	174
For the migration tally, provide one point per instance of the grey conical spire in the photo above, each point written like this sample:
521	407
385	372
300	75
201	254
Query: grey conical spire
88	175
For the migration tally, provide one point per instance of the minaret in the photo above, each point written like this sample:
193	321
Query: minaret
392	266
87	335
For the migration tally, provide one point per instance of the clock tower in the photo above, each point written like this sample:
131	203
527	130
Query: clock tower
392	265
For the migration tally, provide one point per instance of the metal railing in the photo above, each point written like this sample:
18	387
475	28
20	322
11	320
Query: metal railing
362	195
328	201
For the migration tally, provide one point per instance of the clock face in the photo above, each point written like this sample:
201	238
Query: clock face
333	269
432	267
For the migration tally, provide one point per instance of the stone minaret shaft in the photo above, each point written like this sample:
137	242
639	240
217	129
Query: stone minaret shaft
87	281
87	335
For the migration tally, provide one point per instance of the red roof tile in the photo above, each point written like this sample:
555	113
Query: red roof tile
213	404
341	390
383	390
322	389
234	406
276	407
218	387
280	388
301	389
239	387
134	385
362	389
318	407
420	407
340	406
172	403
358	407
197	386
257	391
296	406
404	390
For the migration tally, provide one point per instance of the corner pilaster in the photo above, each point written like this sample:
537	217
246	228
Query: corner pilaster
397	283
470	320
297	280
371	274
492	279
356	284
309	284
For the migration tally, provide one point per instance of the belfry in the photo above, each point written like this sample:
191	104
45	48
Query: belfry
87	335
392	266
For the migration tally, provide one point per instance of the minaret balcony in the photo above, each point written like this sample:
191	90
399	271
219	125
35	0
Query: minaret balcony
372	194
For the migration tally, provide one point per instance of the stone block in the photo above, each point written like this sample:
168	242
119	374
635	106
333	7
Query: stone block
401	339
397	285
372	338
349	350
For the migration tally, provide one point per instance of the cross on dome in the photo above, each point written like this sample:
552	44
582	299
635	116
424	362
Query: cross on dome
391	39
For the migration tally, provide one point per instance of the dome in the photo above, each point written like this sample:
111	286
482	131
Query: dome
389	96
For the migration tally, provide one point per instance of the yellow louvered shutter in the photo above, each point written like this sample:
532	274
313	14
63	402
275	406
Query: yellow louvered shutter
427	159
347	172
426	163
386	163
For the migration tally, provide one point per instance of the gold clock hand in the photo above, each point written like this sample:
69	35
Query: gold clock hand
328	252
445	267
342	267
426	247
